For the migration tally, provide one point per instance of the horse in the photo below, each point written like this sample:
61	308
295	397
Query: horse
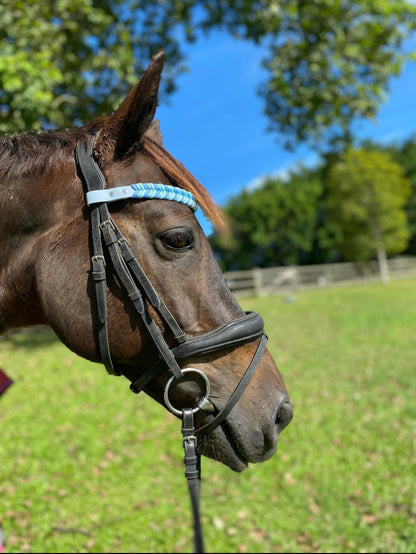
99	241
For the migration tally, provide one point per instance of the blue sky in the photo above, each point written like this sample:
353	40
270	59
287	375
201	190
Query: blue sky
213	123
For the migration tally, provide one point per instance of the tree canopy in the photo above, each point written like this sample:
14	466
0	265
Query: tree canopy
270	225
368	192
353	206
328	61
405	155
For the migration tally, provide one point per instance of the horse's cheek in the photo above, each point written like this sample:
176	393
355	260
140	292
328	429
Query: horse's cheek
62	280
68	300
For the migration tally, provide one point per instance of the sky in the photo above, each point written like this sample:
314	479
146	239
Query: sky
214	123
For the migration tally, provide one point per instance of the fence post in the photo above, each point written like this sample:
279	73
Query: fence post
257	282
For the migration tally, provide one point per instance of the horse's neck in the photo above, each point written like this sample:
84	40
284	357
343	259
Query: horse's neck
28	209
25	212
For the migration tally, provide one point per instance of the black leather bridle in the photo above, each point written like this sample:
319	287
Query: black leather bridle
109	244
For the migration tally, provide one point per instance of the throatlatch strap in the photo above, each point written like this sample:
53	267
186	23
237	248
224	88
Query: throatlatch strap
94	180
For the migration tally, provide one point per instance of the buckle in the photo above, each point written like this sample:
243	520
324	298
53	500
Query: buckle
123	240
98	259
105	223
190	440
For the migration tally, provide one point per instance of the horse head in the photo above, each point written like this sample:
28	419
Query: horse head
171	309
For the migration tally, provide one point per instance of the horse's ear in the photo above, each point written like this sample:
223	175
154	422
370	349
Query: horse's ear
154	132
126	126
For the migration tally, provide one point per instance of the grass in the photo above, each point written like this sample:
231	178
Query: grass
86	466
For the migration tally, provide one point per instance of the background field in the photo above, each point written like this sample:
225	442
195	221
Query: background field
86	466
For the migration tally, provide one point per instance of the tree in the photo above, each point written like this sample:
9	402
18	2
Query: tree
328	61
367	195
270	225
405	155
63	61
333	66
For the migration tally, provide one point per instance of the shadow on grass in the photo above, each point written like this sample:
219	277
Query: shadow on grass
30	337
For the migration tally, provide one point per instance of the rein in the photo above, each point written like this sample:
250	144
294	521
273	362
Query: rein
108	239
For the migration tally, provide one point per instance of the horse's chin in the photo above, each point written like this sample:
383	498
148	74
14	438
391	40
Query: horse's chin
221	446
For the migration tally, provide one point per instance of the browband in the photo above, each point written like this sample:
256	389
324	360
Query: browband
142	190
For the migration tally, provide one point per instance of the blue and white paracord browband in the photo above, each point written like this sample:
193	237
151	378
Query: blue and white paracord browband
143	190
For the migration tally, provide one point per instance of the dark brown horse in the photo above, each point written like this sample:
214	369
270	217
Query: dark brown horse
46	275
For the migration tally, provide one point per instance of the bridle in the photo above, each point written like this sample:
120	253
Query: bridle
109	244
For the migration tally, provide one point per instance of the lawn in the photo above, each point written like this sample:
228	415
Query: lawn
87	466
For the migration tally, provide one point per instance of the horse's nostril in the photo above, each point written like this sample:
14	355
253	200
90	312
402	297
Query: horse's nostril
284	415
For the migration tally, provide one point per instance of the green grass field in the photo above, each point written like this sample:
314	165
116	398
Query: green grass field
87	466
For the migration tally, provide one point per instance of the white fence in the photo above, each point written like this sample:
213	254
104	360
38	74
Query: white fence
261	282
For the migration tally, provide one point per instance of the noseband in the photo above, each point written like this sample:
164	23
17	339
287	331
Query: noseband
107	238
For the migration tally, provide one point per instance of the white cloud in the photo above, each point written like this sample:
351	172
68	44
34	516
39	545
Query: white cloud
282	173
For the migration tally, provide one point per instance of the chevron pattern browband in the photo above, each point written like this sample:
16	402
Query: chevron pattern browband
143	190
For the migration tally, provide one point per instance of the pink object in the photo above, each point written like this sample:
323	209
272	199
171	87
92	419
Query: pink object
2	539
5	383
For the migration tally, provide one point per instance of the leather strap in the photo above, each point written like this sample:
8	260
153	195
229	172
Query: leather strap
149	291
94	180
234	333
112	237
192	461
238	391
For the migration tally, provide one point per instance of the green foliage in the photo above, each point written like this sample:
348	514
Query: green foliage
63	62
328	213
405	155
273	224
328	62
367	195
86	466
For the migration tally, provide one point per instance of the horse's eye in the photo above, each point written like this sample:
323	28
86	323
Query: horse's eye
178	239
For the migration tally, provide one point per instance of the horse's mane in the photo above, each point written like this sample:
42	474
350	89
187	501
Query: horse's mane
34	152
